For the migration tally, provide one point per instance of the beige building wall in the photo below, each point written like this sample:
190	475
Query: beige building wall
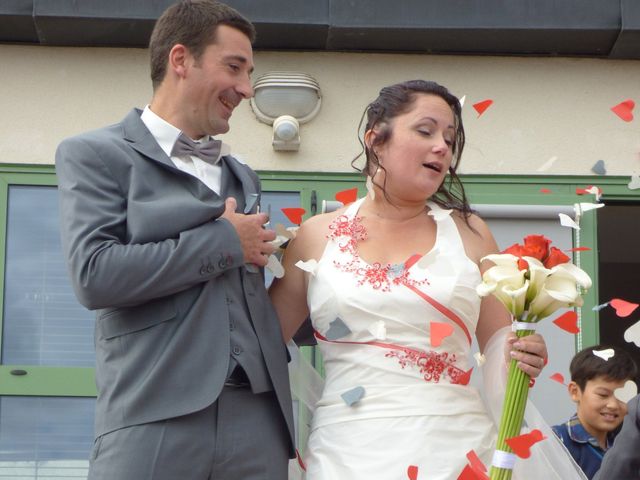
544	108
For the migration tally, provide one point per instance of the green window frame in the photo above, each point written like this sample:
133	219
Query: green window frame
39	380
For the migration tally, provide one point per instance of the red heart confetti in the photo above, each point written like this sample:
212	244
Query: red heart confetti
475	470
464	379
439	331
480	107
545	190
597	191
294	214
475	462
522	444
347	196
468	474
300	462
558	377
578	249
622	307
624	110
568	321
412	472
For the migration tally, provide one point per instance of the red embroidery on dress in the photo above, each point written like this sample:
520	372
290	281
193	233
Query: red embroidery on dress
432	365
351	228
347	232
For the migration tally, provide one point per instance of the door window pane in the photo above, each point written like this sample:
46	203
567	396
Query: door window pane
45	437
43	322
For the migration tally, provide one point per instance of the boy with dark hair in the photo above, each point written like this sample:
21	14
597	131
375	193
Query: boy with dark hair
596	372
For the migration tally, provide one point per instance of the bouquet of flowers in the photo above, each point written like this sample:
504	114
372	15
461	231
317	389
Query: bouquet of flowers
532	281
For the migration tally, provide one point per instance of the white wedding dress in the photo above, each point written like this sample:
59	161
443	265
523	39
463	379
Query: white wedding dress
395	342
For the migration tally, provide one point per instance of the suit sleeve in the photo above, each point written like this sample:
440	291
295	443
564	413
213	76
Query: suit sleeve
108	272
622	459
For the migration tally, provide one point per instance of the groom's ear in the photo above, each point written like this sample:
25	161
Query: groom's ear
179	61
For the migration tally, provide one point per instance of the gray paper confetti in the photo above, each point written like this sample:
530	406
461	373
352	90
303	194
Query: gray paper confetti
337	329
598	168
353	396
250	202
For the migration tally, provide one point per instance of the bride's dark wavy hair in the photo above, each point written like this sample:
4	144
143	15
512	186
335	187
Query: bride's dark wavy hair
395	100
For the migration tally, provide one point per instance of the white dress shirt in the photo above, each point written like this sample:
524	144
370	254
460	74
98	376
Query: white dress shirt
166	136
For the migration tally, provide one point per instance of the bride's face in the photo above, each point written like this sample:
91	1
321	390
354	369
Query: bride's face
418	153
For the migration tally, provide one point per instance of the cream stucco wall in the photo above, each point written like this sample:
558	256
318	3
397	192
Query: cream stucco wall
544	107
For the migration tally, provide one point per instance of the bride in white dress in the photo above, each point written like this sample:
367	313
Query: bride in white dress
393	305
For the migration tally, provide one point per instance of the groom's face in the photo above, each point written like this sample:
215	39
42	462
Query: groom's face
218	81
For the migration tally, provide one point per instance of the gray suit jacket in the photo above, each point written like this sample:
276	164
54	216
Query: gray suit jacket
622	460
145	247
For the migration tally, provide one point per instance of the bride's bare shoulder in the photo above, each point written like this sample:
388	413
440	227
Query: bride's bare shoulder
312	235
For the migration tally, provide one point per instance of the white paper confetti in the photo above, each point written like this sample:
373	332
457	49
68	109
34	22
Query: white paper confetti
438	213
632	334
378	330
275	266
567	221
585	207
604	354
310	266
634	184
594	191
627	392
547	165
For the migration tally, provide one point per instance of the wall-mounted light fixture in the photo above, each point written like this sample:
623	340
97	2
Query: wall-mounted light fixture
286	100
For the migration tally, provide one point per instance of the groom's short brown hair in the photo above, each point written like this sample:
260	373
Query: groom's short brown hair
192	23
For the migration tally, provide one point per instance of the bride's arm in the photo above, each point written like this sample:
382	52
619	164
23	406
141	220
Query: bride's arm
289	293
530	352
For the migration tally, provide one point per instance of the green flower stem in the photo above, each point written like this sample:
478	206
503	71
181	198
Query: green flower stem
515	402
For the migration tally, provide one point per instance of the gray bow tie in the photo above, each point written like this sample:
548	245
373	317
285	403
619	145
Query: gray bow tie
208	151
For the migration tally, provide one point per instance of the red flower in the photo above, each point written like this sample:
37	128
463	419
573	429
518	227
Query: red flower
519	251
555	257
537	246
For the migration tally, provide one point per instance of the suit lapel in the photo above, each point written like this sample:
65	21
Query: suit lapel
136	133
249	187
141	140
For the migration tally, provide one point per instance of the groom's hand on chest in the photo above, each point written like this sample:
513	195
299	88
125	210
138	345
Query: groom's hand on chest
255	241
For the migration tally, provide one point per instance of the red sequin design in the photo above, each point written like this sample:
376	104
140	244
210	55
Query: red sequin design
347	232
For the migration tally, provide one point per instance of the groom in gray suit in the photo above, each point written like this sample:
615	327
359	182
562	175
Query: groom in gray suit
163	237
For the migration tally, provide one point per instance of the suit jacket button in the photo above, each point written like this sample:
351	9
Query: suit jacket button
203	270
210	269
237	350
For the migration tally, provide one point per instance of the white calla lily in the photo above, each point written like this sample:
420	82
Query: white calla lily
536	292
560	290
505	281
502	259
578	275
537	274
